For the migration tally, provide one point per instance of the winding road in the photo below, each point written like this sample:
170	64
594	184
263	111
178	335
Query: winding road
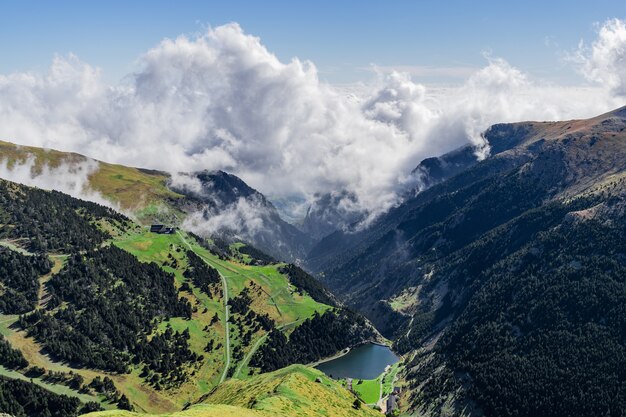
226	311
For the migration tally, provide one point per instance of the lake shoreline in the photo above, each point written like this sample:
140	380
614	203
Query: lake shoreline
358	362
347	350
330	358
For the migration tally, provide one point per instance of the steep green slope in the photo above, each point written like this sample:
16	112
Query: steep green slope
290	392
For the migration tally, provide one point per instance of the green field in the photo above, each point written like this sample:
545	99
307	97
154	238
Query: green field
390	377
368	389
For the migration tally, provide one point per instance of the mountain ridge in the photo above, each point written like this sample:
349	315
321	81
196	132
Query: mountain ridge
152	195
447	267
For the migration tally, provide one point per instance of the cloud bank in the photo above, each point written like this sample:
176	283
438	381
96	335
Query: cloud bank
68	178
223	101
244	218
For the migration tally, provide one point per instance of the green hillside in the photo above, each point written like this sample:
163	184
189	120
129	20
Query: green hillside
97	308
133	189
290	392
148	195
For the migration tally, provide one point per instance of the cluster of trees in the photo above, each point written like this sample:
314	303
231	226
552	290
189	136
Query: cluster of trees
112	304
217	246
306	283
246	319
71	379
51	221
25	399
245	316
165	356
106	387
317	337
10	357
19	275
221	248
241	303
259	257
202	275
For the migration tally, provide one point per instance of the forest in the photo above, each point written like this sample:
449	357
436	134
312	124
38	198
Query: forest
50	220
103	305
317	337
541	325
19	275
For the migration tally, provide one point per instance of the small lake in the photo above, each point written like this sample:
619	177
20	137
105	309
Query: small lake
365	362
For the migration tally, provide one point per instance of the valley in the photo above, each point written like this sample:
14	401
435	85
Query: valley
479	279
498	277
312	209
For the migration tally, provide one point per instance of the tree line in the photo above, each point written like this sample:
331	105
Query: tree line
317	337
103	306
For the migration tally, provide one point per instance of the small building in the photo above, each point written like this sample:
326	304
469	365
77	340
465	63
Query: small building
162	229
392	404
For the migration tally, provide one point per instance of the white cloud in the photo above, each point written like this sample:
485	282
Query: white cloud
223	101
459	72
186	181
243	218
69	178
605	60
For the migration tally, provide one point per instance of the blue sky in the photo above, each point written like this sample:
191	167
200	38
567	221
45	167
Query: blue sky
343	38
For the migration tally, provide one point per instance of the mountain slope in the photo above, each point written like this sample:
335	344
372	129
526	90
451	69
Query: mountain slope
451	214
503	281
131	189
293	391
232	208
330	212
338	245
113	314
222	204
